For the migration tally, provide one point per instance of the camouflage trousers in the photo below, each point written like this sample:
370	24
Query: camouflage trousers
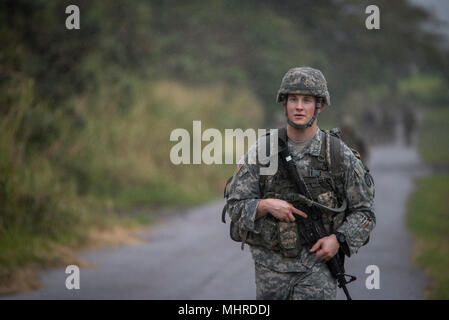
315	284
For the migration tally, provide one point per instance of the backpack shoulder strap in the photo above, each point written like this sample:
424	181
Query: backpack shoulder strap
282	135
333	152
336	154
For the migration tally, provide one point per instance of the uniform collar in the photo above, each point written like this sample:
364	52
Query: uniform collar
313	147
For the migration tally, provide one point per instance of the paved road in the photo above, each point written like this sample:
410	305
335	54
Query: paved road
190	256
390	248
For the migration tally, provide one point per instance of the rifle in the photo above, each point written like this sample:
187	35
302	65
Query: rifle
311	229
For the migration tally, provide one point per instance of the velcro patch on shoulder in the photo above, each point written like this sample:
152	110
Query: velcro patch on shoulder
240	164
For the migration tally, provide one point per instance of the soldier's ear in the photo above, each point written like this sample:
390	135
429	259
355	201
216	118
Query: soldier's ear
321	107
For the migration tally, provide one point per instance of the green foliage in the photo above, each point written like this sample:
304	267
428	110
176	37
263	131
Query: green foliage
27	188
431	89
428	220
36	207
250	44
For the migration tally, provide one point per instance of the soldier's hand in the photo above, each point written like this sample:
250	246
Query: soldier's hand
280	209
326	248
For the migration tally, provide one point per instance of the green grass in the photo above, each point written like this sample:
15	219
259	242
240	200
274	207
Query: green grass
434	136
428	215
428	220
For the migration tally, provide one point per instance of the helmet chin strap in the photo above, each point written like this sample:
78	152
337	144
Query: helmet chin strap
308	124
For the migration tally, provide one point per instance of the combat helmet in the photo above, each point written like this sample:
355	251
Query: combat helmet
304	80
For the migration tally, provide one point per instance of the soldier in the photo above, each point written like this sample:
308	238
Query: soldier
409	123
261	207
352	139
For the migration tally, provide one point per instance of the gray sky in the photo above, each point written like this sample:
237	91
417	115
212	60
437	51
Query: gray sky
440	8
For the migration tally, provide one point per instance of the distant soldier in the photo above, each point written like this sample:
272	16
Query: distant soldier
409	121
388	126
352	138
369	124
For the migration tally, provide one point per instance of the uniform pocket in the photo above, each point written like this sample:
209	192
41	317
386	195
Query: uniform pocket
288	239
288	235
269	232
327	199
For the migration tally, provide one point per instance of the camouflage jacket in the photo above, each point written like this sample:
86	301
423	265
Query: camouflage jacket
247	191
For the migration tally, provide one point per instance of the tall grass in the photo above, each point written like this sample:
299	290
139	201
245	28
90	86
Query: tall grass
35	205
128	151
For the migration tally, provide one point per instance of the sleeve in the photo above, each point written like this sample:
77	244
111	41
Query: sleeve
360	218
245	196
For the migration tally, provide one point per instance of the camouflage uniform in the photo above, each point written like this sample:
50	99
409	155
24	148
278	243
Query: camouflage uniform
302	276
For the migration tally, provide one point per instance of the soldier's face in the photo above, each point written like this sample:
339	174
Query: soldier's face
300	108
